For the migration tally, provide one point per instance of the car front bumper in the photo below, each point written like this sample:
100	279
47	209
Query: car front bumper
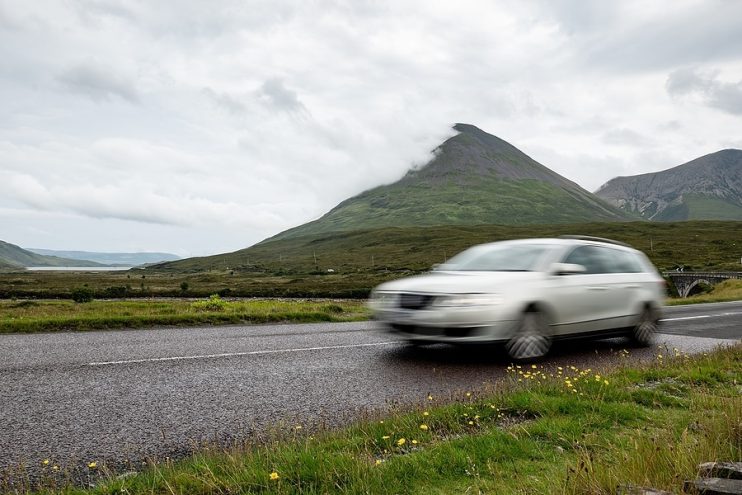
460	325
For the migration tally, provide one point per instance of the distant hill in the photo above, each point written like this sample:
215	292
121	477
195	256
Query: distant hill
15	256
707	188
474	178
121	259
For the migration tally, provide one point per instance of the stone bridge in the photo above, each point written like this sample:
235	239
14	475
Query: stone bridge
686	281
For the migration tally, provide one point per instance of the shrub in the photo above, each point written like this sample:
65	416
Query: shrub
184	287
213	303
82	294
115	292
332	308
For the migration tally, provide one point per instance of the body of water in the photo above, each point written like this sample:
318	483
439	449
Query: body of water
78	268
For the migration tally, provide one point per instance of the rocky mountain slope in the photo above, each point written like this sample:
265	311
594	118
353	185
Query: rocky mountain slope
707	188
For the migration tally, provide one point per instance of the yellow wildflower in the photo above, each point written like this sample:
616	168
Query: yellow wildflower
274	476
426	413
45	462
378	461
385	437
414	442
401	442
92	465
424	427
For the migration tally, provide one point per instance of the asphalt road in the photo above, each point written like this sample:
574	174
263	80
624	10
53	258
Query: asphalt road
122	396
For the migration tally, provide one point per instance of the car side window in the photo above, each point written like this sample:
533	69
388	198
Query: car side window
623	261
591	257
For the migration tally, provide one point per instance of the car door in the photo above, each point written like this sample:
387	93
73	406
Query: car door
626	284
583	302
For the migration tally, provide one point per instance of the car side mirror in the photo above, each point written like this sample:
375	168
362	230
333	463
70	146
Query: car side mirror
566	269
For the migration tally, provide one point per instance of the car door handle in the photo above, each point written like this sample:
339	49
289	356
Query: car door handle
632	286
598	287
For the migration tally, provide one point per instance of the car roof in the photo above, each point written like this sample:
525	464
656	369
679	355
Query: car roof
567	241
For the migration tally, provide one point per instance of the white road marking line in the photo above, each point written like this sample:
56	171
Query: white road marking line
700	316
686	318
234	354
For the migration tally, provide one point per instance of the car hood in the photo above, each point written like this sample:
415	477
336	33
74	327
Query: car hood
459	282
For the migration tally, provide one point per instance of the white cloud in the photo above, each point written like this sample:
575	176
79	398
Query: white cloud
718	94
98	82
209	126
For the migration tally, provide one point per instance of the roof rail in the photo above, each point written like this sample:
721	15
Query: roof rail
596	239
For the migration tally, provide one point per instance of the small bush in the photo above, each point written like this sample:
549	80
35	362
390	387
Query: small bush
213	303
184	287
82	294
115	292
332	308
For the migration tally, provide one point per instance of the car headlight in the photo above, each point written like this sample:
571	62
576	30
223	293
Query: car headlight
467	300
383	298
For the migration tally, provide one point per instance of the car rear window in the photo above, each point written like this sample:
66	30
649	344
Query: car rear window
599	259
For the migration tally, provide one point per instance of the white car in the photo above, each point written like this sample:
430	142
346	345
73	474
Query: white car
527	293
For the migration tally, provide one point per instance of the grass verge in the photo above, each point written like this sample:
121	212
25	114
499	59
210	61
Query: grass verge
728	290
29	316
545	430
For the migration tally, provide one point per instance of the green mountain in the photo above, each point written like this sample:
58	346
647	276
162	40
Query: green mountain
707	188
474	178
16	257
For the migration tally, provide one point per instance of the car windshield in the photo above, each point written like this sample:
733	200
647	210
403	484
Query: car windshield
498	258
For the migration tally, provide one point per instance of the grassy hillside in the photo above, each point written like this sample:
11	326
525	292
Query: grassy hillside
701	207
695	245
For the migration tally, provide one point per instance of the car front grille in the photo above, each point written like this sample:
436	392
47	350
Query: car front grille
414	301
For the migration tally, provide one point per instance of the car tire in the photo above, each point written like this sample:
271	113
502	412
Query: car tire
645	329
532	338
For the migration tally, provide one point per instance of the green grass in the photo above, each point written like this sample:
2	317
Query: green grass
48	315
546	430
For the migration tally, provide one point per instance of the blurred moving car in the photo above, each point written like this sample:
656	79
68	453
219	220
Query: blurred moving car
527	293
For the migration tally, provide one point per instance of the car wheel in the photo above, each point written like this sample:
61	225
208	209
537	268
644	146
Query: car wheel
532	339
645	329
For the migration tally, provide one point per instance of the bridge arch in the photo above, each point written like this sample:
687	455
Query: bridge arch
689	288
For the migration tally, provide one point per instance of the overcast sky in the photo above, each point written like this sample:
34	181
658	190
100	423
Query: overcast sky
199	127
